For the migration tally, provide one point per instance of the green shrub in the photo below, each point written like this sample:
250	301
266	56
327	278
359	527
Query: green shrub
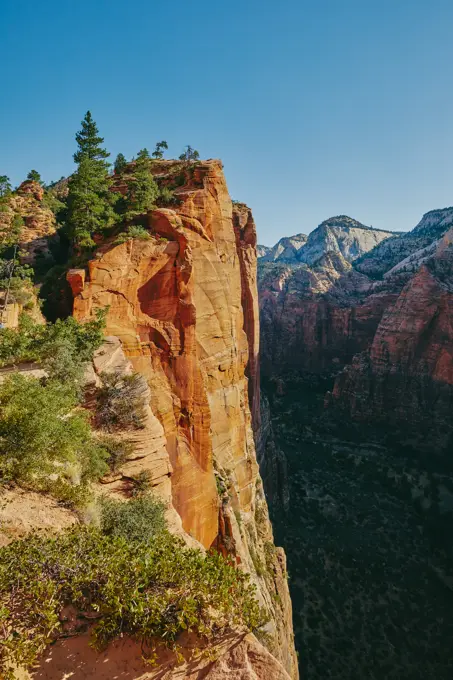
149	591
141	483
269	555
138	519
31	341
133	232
44	443
259	565
167	197
121	401
118	451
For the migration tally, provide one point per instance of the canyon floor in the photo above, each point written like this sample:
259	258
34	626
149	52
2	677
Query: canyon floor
367	532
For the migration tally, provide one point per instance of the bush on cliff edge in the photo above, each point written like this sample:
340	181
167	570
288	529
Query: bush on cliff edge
148	590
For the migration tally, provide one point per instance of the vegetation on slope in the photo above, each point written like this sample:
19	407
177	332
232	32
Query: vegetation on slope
121	582
46	442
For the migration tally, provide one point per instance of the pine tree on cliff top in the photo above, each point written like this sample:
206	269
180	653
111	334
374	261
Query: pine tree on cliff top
142	190
90	203
89	141
159	150
34	176
120	164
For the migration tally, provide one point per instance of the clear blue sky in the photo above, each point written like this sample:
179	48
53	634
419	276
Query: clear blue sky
317	107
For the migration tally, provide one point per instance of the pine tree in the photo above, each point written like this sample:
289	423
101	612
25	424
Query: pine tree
159	150
5	186
34	176
142	190
189	154
90	203
120	164
89	141
142	154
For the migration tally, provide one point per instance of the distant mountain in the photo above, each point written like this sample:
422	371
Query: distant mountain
405	252
285	250
261	251
340	235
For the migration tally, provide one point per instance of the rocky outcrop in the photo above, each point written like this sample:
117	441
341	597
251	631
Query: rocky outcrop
184	306
380	320
405	381
285	250
236	657
405	252
245	232
39	222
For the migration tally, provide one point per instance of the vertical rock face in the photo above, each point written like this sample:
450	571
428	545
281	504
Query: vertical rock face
245	232
406	379
358	366
184	305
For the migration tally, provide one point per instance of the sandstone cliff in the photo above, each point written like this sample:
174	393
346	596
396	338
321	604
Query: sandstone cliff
184	305
405	380
382	314
355	443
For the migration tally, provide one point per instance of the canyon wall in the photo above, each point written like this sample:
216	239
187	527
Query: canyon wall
184	305
405	381
382	342
355	447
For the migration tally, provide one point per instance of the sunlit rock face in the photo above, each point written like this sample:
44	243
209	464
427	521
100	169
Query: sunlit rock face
184	305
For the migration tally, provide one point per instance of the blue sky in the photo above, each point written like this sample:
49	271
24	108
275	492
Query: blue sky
316	107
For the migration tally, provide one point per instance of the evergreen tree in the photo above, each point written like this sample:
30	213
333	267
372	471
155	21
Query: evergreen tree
120	164
34	176
90	203
5	186
189	154
142	154
159	150
89	141
142	190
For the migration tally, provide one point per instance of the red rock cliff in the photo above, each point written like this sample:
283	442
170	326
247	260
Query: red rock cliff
406	378
184	304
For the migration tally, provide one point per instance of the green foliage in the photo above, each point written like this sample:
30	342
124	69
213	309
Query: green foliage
120	164
148	590
90	203
7	267
118	451
159	150
260	515
50	200
34	176
167	196
133	231
10	232
269	555
139	519
121	401
189	154
5	186
221	486
89	142
142	190
259	565
141	483
43	440
38	342
143	154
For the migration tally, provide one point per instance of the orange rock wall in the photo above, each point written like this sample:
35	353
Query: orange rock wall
176	303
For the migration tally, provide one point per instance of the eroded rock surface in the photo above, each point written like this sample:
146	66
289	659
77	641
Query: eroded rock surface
184	306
